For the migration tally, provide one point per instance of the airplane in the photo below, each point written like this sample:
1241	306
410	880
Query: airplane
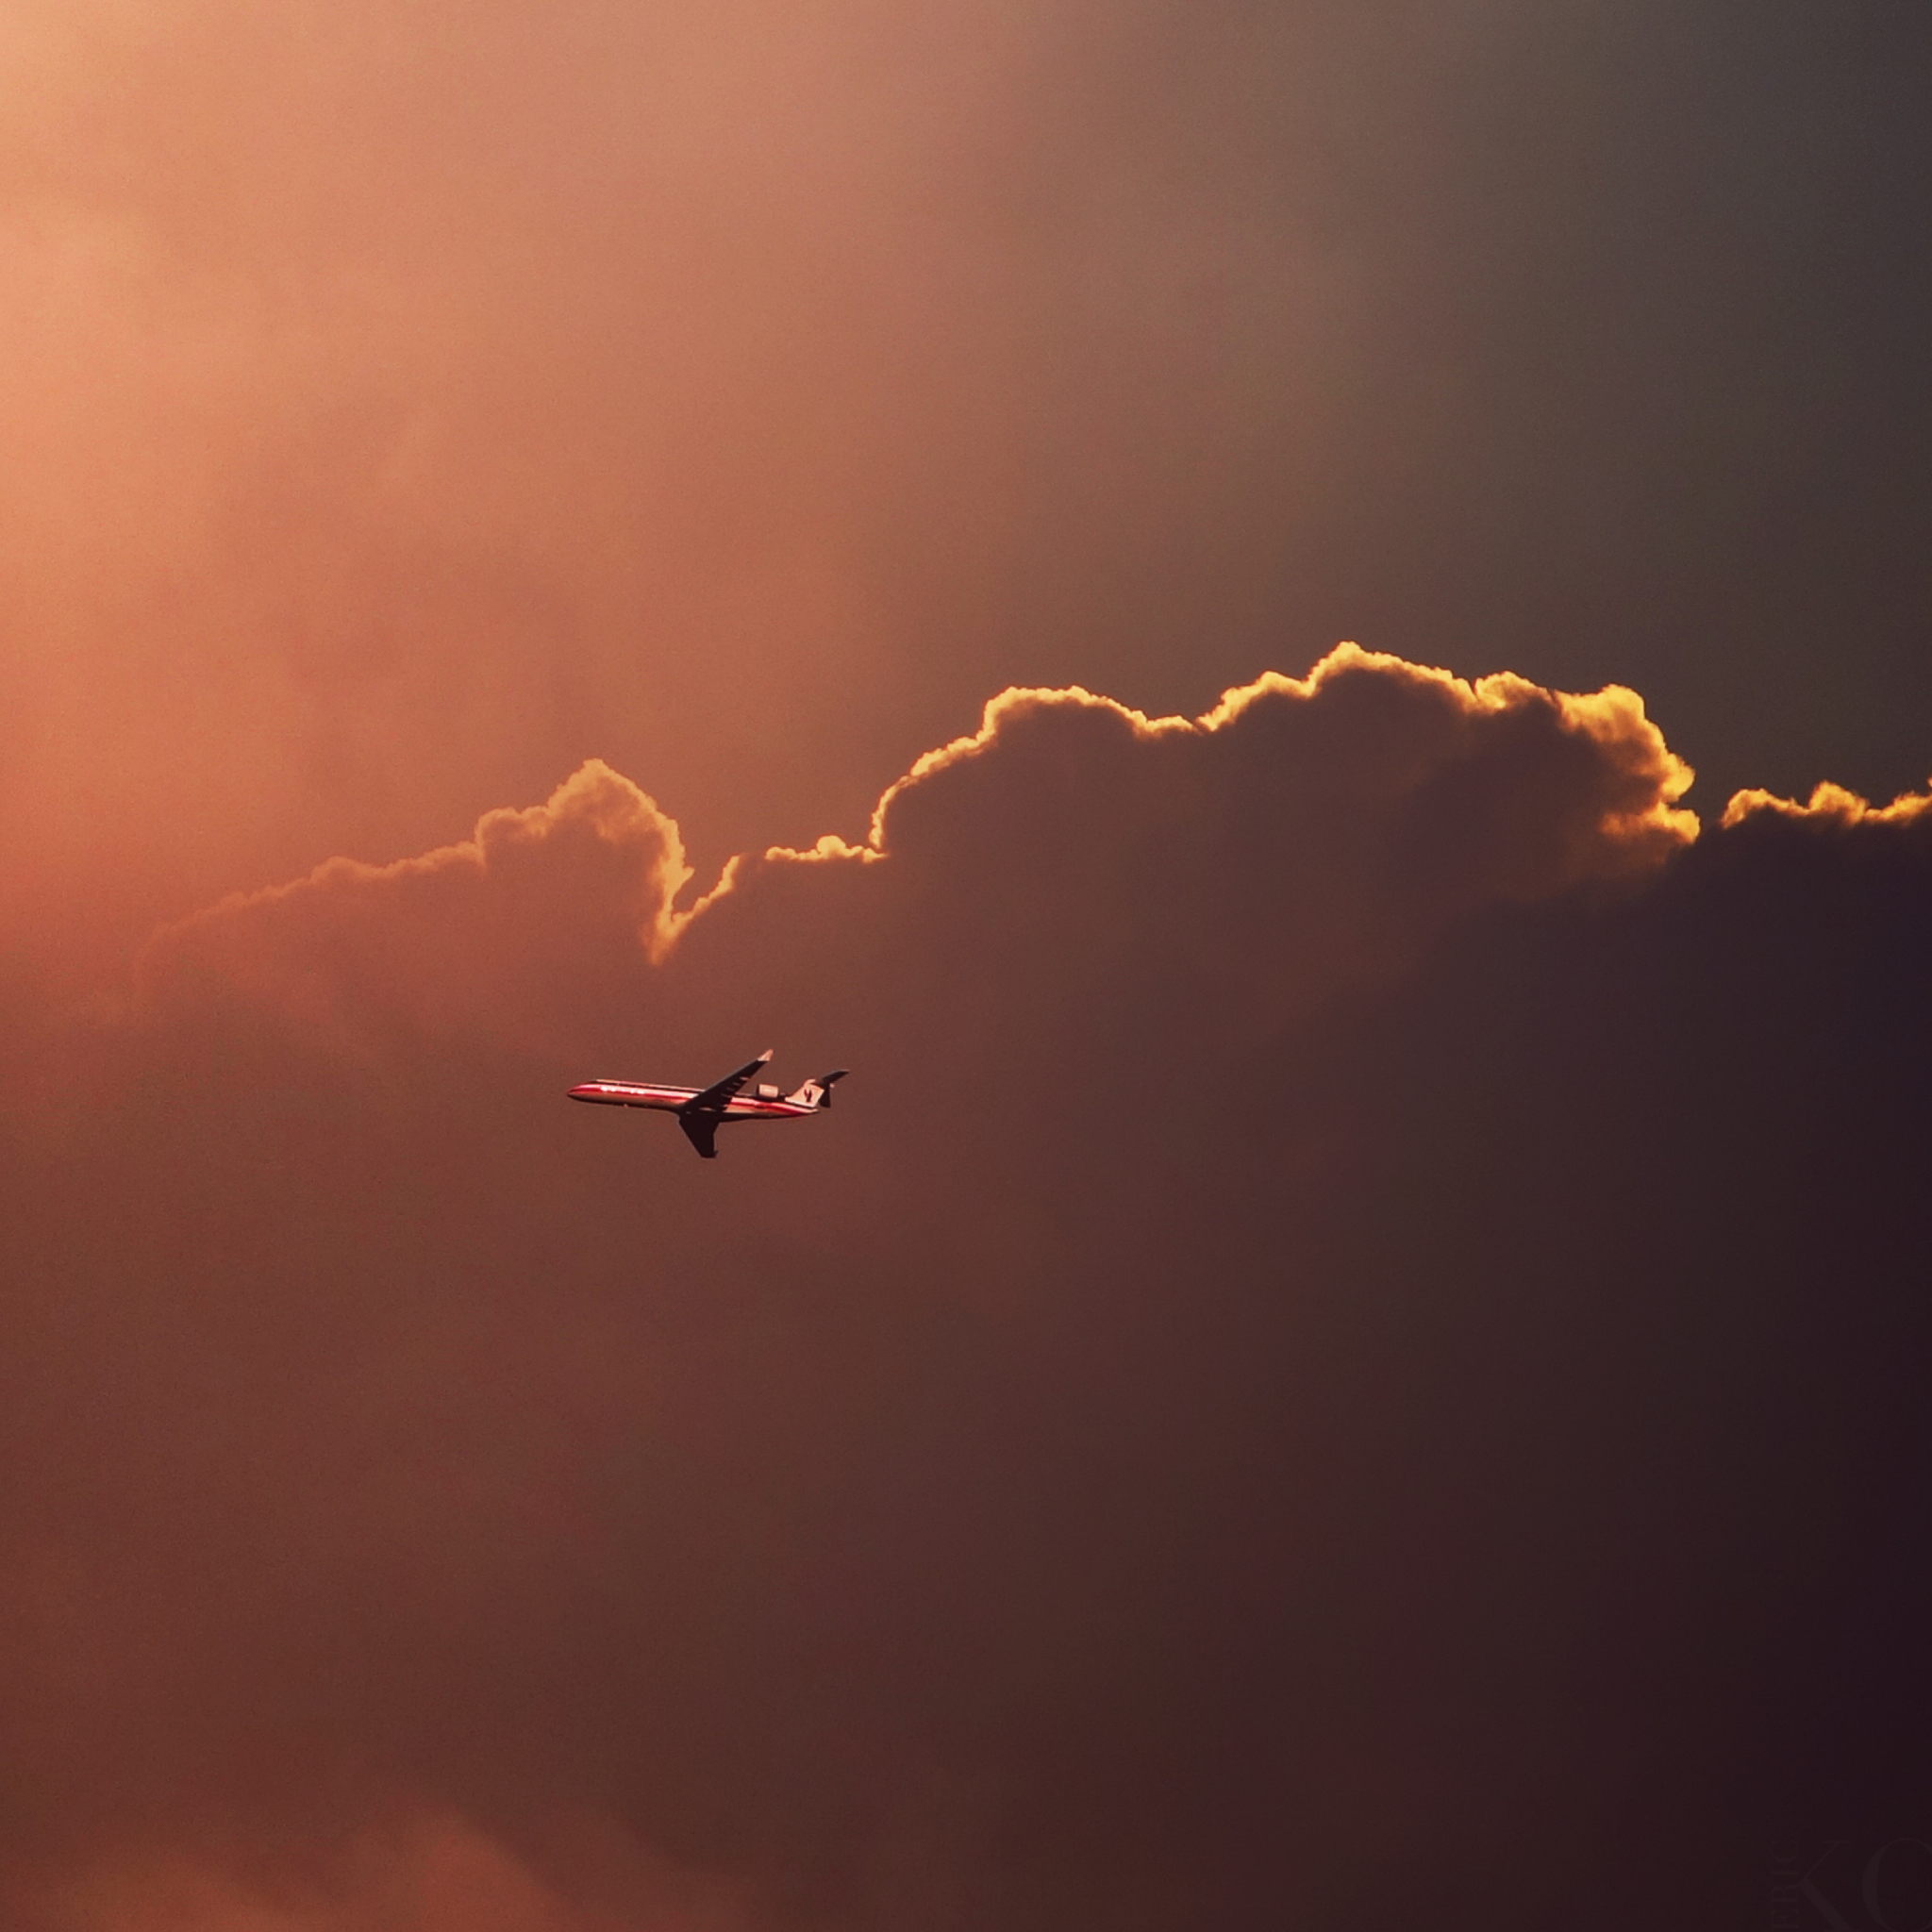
702	1110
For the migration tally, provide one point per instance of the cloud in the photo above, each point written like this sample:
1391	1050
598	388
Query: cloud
404	411
473	939
440	1874
1358	809
1832	804
1328	1367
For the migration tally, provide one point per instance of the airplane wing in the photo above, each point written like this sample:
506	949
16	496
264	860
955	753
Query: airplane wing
714	1100
699	1115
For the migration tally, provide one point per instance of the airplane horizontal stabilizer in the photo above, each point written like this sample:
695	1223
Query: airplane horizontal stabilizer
816	1094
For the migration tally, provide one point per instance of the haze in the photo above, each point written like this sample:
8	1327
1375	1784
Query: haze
1353	1351
408	402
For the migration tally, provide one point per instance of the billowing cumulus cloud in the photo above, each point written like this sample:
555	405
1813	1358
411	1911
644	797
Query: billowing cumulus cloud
464	941
1330	1365
406	403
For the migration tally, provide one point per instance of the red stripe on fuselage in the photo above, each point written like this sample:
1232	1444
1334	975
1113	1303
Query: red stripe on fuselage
631	1093
668	1099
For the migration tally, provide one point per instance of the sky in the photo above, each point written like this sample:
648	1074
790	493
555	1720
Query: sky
1352	1349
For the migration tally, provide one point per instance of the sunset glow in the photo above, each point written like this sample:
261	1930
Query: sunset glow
1353	1353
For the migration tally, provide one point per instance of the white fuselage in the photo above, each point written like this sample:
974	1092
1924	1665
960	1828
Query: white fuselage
760	1103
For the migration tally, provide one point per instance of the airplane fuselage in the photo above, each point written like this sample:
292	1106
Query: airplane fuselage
763	1104
702	1110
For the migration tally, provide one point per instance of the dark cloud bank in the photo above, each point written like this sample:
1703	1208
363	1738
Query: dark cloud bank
1354	1354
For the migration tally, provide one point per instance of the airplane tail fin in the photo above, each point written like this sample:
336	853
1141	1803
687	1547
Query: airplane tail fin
819	1092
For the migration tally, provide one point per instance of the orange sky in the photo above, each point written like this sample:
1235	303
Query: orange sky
1365	1295
410	402
405	402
